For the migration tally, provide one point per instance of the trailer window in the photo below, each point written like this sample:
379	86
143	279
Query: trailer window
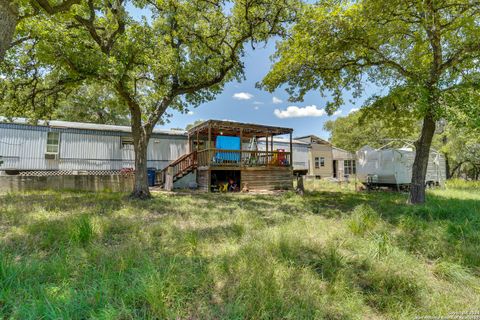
349	167
53	142
127	142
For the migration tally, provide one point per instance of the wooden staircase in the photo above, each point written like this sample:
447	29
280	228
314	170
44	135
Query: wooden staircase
181	167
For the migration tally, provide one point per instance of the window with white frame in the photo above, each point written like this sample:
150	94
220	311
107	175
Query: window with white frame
53	142
349	167
319	162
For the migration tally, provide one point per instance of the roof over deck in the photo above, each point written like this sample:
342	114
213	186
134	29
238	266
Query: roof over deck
232	128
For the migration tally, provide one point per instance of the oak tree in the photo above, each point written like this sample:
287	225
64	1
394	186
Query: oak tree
178	57
418	50
367	126
12	12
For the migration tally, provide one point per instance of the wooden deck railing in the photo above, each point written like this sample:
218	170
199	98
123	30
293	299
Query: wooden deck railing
243	158
182	165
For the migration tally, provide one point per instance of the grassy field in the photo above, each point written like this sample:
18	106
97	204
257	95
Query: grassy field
333	254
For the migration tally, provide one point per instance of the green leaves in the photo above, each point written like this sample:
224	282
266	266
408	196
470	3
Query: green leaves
339	46
186	51
371	126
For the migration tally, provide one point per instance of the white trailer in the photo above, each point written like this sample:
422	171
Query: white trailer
392	167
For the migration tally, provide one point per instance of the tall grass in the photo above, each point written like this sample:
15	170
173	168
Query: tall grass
460	184
331	254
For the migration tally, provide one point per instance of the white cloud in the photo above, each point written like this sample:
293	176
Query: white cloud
256	108
242	96
190	113
258	103
276	100
299	112
338	112
353	110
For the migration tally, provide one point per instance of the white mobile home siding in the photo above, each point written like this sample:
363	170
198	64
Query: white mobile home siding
23	147
300	151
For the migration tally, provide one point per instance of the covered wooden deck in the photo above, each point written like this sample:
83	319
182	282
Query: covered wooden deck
255	168
202	140
247	165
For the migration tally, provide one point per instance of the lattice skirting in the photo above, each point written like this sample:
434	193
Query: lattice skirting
42	173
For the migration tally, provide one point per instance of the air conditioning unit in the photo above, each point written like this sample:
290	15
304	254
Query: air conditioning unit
51	156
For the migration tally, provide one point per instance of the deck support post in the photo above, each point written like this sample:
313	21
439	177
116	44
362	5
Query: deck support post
271	142
209	137
266	149
198	143
241	144
291	150
169	179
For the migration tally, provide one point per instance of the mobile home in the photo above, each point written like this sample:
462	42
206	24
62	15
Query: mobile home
68	147
393	167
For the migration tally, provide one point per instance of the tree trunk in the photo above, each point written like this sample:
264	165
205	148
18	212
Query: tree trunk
447	161
455	169
140	141
420	164
447	166
8	23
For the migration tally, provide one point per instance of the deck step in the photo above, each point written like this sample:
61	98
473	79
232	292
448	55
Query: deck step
184	165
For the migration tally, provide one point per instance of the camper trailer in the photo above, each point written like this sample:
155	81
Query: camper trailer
391	167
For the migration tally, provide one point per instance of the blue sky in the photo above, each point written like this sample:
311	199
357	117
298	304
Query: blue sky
244	103
260	107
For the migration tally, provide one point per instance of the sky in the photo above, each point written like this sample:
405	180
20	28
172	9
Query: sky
242	102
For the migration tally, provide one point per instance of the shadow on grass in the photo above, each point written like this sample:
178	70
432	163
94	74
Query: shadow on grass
120	283
443	227
68	201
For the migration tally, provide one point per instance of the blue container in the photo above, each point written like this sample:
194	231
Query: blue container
228	143
151	172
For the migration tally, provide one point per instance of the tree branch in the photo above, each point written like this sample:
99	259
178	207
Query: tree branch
61	7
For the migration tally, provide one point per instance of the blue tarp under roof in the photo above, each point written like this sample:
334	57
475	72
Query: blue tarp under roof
228	143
